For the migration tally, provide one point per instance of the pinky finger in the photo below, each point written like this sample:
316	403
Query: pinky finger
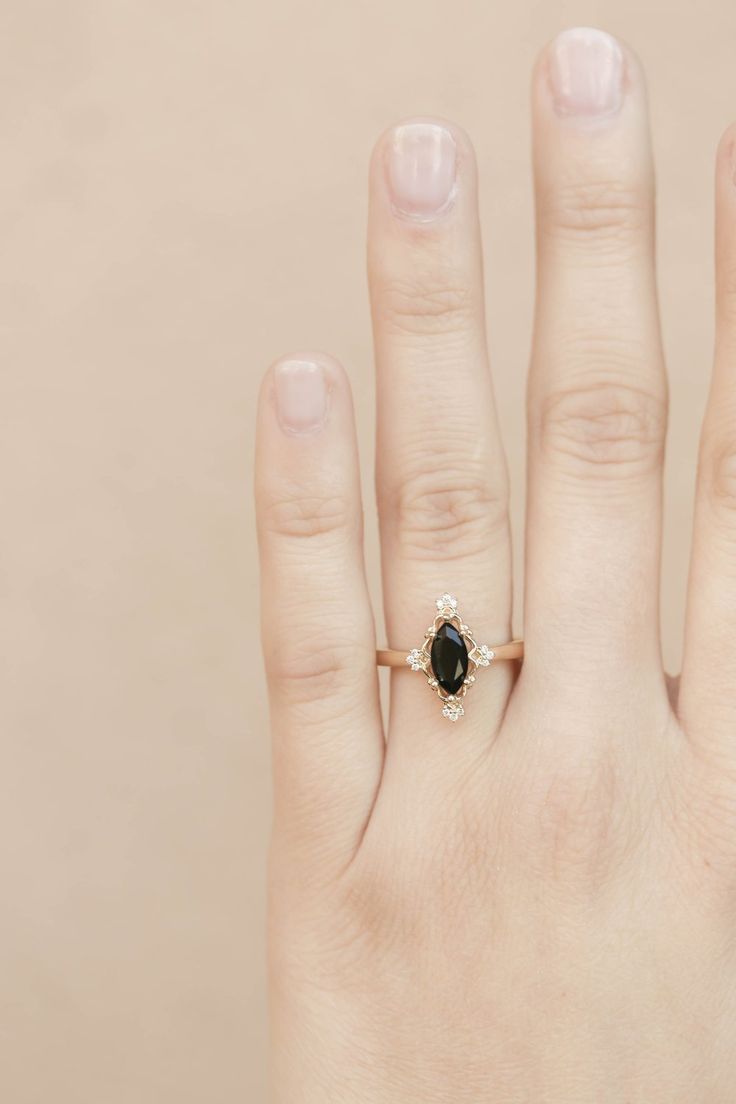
318	634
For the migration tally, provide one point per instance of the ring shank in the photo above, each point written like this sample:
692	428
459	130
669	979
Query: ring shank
391	657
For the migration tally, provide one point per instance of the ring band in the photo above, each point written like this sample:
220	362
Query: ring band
390	657
450	656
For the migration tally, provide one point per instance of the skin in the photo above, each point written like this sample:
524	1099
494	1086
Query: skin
537	904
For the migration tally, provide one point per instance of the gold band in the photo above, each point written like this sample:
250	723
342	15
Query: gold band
390	657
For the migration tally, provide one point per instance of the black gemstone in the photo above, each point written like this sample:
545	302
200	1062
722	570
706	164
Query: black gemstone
449	657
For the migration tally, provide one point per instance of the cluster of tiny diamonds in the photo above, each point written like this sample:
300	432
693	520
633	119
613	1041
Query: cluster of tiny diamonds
484	655
416	660
452	709
447	604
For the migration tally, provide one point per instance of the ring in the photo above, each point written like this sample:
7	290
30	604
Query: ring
450	656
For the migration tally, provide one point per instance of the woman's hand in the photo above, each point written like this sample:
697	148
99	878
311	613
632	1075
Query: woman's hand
537	903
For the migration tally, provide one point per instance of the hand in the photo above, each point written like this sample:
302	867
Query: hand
537	903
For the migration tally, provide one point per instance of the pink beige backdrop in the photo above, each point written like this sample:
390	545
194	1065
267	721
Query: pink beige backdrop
182	199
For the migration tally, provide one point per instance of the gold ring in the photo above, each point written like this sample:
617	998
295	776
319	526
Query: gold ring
450	656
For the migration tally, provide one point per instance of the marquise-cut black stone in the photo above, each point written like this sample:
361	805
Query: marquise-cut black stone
449	658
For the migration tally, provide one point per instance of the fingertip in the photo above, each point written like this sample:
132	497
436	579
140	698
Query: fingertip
329	363
421	169
585	75
312	360
298	391
388	136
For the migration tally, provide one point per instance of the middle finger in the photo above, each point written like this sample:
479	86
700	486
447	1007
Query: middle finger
597	391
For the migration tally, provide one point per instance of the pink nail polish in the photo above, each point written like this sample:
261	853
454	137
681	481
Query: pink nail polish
301	396
421	170
586	73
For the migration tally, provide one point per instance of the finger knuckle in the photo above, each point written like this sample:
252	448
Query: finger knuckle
576	822
602	211
605	428
445	511
298	516
327	667
449	865
427	305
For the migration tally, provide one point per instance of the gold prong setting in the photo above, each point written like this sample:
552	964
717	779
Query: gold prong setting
450	633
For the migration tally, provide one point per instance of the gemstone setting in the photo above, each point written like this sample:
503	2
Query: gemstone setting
449	658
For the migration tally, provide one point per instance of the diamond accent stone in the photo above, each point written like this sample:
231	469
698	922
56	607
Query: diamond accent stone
453	709
446	602
415	659
484	655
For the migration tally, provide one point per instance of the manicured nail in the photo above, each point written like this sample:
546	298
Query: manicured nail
421	170
586	72
301	396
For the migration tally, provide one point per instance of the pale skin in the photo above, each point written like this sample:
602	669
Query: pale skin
538	902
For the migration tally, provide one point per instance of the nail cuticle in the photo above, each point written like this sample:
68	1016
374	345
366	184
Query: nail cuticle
418	219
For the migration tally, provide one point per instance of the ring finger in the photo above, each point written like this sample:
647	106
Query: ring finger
441	475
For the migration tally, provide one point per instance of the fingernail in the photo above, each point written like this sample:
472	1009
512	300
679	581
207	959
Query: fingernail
301	396
586	73
421	170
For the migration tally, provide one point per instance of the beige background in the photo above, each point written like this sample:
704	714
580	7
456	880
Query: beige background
183	198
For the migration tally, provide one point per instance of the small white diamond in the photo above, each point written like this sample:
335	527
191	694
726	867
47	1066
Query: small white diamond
485	655
446	602
452	709
415	660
